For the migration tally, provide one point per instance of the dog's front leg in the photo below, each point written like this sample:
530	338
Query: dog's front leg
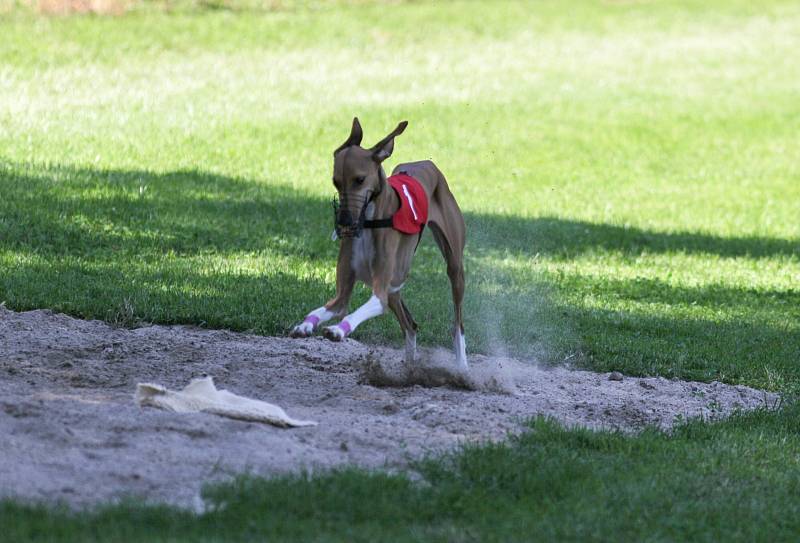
337	306
312	320
372	308
382	269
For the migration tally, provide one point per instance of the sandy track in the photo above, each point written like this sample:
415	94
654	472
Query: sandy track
72	432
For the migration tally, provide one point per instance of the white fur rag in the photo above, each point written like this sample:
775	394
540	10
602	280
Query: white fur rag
202	396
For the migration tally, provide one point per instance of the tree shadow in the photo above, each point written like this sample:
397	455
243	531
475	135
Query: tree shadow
68	211
566	238
63	209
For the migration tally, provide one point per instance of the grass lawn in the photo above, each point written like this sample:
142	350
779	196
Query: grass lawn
630	177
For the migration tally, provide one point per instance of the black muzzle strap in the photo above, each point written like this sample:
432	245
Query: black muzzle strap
351	227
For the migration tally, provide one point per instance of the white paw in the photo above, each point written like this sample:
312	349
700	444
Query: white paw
333	333
304	329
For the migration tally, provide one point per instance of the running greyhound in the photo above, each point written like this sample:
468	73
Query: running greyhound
379	223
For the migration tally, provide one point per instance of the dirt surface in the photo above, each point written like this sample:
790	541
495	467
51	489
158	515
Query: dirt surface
72	432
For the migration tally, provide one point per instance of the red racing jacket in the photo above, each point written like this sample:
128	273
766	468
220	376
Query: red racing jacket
413	212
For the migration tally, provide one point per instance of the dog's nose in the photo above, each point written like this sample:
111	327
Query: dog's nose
345	218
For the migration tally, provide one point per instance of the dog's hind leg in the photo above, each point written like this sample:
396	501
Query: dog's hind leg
337	306
407	324
455	272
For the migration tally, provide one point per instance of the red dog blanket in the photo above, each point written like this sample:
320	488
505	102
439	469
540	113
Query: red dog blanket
413	212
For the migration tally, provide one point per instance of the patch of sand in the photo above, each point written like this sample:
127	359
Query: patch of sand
72	432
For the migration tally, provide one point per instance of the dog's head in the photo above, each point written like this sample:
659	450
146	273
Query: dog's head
358	177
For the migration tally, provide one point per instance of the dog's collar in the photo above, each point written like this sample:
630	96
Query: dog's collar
387	223
378	223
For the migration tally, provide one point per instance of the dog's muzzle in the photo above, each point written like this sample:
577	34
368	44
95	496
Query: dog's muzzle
345	225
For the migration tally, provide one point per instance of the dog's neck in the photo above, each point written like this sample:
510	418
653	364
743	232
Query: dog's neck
382	183
386	201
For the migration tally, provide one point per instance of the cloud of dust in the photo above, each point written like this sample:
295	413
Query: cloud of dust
436	368
510	307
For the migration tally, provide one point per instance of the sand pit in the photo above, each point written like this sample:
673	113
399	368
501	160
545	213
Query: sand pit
72	432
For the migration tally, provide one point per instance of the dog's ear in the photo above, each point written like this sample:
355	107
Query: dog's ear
355	136
383	149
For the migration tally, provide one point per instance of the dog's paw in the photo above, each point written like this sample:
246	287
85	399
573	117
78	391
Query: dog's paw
334	333
304	329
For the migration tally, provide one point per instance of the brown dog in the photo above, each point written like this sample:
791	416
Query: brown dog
371	247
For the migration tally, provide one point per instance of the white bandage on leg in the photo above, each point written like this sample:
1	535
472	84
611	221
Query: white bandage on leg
312	320
372	308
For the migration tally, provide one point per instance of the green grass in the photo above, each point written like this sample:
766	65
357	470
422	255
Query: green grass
736	480
629	176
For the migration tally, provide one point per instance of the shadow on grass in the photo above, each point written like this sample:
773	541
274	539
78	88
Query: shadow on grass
125	246
564	238
65	211
761	354
713	295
